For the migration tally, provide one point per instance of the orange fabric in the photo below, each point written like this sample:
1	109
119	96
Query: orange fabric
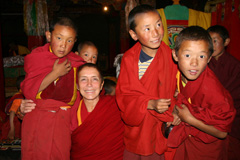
18	95
142	126
15	105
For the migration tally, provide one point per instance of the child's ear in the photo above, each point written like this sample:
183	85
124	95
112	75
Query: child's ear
227	41
77	53
48	36
174	55
133	35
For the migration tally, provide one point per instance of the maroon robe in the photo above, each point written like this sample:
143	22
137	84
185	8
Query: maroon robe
100	136
227	69
211	103
142	133
46	130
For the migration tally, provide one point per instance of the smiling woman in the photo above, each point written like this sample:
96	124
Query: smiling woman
96	122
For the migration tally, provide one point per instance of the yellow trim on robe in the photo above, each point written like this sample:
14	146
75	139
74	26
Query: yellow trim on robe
79	113
74	97
38	96
164	22
178	80
184	84
65	107
50	49
198	18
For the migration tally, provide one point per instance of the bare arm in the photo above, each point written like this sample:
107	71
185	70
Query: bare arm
11	132
58	70
159	105
187	117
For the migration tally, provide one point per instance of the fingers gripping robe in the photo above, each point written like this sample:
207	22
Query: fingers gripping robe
159	105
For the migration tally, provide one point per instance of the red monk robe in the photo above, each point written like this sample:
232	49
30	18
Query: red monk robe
227	69
13	105
210	102
46	130
142	126
100	136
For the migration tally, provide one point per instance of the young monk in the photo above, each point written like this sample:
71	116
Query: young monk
51	83
96	121
12	128
227	69
146	86
204	106
88	51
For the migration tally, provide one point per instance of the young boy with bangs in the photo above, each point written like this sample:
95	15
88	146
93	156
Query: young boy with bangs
204	106
50	83
146	86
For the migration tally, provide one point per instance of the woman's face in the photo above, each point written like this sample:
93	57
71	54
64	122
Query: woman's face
90	83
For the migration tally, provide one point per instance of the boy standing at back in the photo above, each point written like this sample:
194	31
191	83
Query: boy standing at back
204	106
227	69
88	51
146	86
51	83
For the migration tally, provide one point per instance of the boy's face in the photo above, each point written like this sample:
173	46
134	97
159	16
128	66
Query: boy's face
89	54
218	44
149	31
192	58
62	40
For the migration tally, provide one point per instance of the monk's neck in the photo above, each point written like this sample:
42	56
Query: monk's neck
90	104
219	55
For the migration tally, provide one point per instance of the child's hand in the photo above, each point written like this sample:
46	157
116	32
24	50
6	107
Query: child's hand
184	114
159	105
62	68
176	119
27	106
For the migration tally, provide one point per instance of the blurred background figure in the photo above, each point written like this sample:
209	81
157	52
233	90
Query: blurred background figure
109	87
16	49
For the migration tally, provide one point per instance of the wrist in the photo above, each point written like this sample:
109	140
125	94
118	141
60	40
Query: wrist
19	113
150	105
